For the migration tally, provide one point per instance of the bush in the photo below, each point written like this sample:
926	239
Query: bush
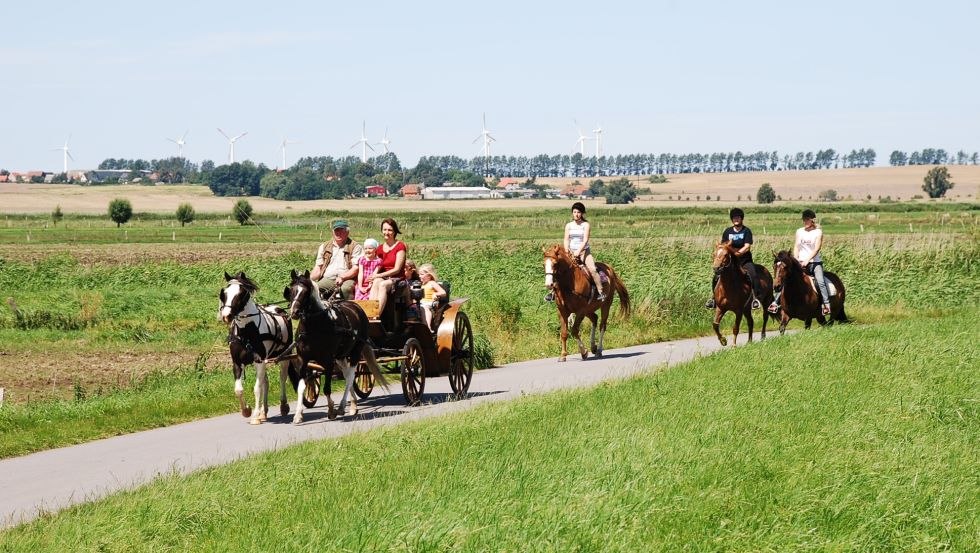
242	211
937	182
829	195
765	195
57	215
620	191
120	211
185	213
658	179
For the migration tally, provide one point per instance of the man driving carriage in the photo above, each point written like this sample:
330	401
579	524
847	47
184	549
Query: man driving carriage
336	262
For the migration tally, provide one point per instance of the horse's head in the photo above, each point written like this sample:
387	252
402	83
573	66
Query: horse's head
553	256
235	296
300	293
783	265
723	257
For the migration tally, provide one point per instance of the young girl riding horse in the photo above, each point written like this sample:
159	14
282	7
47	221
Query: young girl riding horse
577	243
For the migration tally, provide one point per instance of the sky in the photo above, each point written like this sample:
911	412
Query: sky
658	76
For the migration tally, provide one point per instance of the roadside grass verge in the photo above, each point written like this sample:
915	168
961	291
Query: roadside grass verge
849	438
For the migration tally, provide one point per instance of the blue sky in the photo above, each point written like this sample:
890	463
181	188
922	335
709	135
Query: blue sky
658	76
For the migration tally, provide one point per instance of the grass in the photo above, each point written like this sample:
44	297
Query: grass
853	438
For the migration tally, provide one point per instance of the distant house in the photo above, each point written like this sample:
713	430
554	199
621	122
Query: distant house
4	178
412	191
580	191
458	192
375	190
510	183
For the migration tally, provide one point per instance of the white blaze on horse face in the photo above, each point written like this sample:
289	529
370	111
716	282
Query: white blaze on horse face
231	292
548	272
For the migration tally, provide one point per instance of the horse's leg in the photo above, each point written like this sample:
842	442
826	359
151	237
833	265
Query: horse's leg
738	323
331	409
807	323
240	390
765	322
603	318
348	371
750	321
783	321
576	328
300	390
715	325
259	415
283	374
595	322
563	335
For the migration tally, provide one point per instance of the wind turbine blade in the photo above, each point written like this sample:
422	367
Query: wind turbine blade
174	141
184	135
69	155
477	138
239	136
223	133
369	147
354	145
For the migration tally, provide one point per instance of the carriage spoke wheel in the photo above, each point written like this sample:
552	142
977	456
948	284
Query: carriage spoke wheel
312	391
461	370
363	381
413	371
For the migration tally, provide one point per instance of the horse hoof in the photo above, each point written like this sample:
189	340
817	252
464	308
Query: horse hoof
598	353
255	422
561	359
247	412
585	355
332	415
262	418
723	340
297	419
283	410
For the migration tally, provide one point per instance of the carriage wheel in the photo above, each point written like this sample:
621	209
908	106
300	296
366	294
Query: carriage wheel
363	381
312	391
413	371
461	370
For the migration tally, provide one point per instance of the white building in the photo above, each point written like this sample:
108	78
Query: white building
458	192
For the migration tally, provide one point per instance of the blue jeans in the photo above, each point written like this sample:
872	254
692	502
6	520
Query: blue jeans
817	269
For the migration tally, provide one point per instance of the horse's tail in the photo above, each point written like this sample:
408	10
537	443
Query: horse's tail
841	316
367	352
624	296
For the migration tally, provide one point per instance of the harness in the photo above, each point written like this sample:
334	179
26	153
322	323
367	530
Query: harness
269	328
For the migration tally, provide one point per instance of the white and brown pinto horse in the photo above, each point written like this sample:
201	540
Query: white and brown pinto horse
332	334
256	334
574	295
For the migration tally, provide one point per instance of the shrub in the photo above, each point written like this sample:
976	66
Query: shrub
937	182
765	195
829	195
185	213
120	211
242	211
57	215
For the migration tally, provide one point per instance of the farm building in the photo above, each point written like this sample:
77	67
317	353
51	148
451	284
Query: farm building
412	191
375	190
458	192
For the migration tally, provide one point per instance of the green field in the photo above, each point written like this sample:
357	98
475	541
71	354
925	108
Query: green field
856	438
116	329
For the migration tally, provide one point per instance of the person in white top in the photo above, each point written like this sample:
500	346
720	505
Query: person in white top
577	235
806	250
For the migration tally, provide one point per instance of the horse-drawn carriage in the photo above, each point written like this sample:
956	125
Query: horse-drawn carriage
402	342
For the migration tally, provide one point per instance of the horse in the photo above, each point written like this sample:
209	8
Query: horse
799	298
734	292
330	334
256	334
572	286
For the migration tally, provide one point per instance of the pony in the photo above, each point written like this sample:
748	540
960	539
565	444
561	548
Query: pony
329	334
572	286
256	334
799	298
734	292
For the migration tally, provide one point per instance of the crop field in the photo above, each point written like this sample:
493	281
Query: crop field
115	328
856	438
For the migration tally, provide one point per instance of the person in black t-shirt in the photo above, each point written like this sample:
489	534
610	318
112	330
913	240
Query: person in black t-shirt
741	238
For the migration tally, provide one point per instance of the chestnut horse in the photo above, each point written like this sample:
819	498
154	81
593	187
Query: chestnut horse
572	287
799	298
734	293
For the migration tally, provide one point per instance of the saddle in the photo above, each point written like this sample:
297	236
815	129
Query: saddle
603	273
831	289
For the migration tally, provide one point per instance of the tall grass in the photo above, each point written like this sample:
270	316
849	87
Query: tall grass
857	438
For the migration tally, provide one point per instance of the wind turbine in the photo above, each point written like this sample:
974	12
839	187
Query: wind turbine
364	143
67	154
231	144
598	140
282	145
180	143
385	142
581	139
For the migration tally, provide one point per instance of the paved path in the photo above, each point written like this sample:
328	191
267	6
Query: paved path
52	480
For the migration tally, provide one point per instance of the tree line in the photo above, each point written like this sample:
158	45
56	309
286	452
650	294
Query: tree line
932	156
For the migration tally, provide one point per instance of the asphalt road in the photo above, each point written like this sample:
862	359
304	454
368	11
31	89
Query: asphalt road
52	480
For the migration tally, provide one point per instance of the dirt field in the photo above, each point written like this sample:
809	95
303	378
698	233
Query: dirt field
897	182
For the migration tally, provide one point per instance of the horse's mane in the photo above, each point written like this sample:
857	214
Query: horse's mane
728	246
558	253
305	280
787	259
248	284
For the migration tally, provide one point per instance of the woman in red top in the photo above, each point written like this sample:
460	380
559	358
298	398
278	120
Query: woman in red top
392	253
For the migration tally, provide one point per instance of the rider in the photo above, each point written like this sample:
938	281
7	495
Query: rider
577	234
393	253
741	238
336	262
806	250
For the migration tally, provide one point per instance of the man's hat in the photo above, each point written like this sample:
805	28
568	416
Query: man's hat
339	223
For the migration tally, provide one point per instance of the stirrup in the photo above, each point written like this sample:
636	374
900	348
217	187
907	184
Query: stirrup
550	296
826	309
756	304
773	308
600	297
710	304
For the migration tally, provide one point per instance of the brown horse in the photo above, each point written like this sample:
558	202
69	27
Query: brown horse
734	293
799	299
573	290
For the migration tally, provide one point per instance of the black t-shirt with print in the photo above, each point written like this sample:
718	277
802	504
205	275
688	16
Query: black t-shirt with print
738	239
